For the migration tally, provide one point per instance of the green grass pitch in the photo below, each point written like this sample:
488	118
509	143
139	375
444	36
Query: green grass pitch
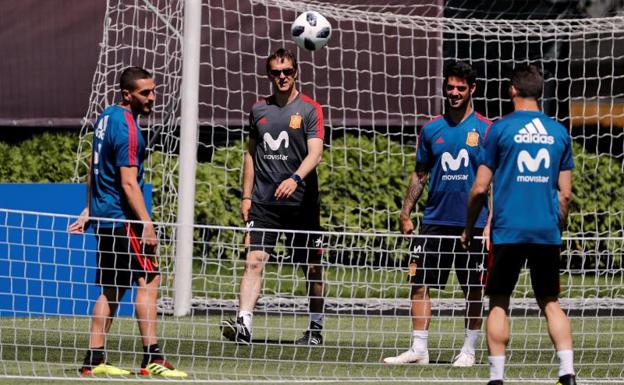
355	344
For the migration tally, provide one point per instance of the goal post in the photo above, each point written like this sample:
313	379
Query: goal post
189	121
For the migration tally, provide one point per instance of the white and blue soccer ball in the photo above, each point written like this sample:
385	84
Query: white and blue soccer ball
311	31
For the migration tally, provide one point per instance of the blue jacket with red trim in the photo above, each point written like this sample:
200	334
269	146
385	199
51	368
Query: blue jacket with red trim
117	142
451	153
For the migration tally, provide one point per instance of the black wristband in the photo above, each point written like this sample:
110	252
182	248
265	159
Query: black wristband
245	198
297	179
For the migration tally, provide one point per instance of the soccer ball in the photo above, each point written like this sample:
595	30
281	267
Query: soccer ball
311	30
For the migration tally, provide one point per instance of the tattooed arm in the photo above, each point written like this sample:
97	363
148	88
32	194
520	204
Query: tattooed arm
415	189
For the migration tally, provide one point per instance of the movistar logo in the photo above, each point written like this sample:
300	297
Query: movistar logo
534	132
448	162
532	164
275	144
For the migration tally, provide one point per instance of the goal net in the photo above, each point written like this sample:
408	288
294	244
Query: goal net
47	296
378	80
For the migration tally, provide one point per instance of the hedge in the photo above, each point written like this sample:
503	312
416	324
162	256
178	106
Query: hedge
362	183
45	158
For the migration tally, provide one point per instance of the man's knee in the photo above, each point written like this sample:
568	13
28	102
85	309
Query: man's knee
419	292
113	294
548	304
151	280
255	261
499	301
253	267
147	290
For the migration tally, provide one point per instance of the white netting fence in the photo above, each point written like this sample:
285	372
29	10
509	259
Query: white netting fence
378	80
47	275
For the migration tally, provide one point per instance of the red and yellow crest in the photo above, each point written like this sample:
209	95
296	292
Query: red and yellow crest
472	139
295	121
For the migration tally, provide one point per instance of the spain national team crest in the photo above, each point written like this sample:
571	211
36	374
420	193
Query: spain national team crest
472	139
295	121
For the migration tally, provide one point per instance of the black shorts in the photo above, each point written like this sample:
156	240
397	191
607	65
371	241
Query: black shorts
431	259
120	258
506	261
304	247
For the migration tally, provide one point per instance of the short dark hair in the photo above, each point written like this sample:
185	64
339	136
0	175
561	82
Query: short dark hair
282	54
528	80
461	70
129	76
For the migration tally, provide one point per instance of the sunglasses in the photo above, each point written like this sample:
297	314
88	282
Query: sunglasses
286	71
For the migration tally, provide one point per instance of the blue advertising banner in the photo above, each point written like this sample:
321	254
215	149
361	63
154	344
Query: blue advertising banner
44	270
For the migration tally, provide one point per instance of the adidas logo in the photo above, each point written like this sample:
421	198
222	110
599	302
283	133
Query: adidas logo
534	132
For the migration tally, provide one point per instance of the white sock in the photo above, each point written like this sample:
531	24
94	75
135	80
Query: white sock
247	318
497	367
317	318
419	341
470	341
566	362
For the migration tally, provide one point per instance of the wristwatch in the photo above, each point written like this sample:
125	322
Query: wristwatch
297	179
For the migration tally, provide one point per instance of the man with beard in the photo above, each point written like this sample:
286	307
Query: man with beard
126	251
448	154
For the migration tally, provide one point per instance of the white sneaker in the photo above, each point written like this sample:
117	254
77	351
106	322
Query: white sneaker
464	360
409	357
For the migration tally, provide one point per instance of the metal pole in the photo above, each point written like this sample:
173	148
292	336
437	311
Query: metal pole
188	157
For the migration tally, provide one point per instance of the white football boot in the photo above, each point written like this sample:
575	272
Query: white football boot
464	360
409	357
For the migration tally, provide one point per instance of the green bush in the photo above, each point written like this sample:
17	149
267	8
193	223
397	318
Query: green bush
218	187
598	195
45	158
362	182
597	210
